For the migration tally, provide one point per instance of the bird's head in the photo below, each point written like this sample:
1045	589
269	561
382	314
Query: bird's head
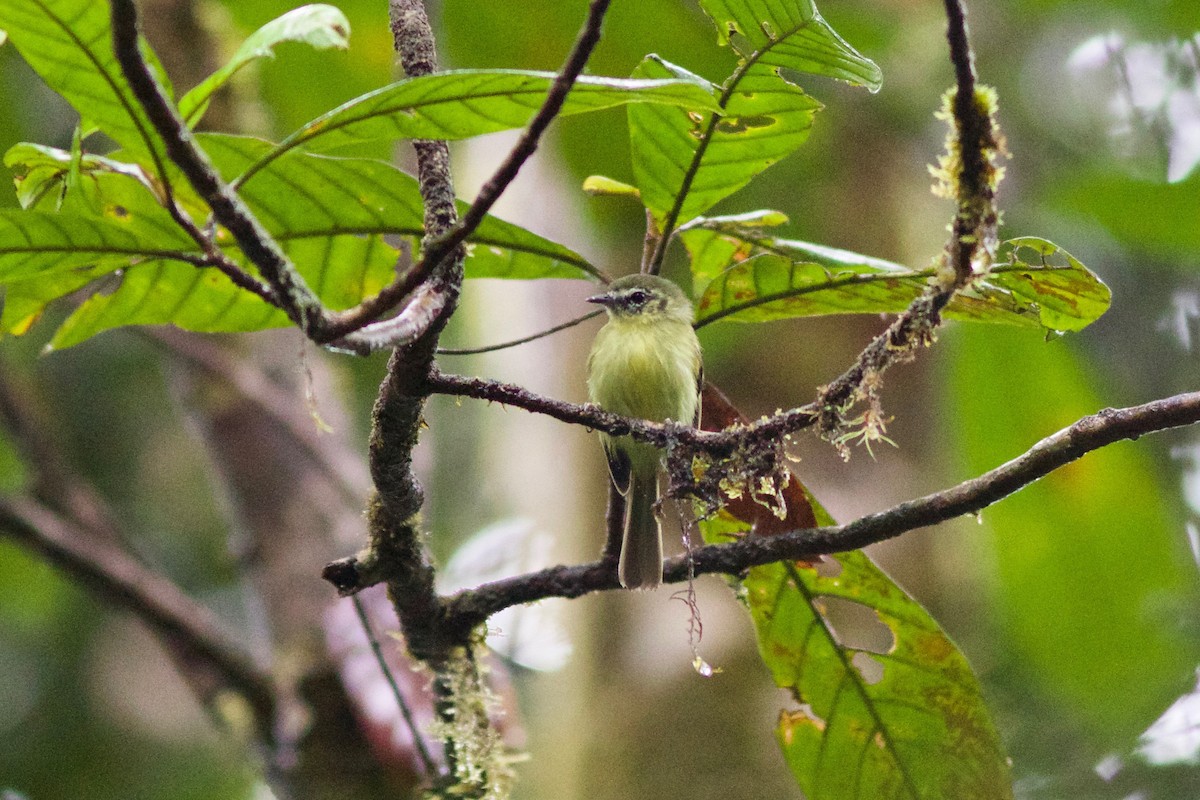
645	297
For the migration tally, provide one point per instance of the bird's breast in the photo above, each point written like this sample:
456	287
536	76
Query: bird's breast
646	370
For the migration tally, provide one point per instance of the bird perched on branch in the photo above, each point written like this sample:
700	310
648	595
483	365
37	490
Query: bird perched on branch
645	363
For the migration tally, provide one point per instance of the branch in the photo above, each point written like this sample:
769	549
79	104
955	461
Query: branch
491	348
289	288
445	236
717	444
585	43
469	608
122	581
395	544
969	175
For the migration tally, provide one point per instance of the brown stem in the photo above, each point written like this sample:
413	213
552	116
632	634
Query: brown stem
288	287
471	607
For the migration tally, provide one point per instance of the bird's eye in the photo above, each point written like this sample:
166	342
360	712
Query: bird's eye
637	297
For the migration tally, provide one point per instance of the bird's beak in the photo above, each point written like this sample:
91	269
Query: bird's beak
601	299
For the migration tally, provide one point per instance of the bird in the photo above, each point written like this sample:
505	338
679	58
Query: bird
646	363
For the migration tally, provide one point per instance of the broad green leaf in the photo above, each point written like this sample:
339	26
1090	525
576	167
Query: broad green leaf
33	243
1088	567
68	43
764	119
301	195
329	215
886	708
341	270
318	25
1036	285
790	35
24	301
899	720
459	104
1066	294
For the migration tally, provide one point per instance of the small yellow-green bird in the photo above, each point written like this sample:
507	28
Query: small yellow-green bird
644	363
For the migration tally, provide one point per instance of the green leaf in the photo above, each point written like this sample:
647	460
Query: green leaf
320	26
898	720
341	270
33	243
43	172
25	301
1066	294
302	195
764	119
459	104
329	214
739	224
69	44
790	35
773	278
886	704
604	186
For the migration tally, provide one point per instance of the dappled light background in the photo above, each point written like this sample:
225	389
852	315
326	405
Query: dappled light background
1076	600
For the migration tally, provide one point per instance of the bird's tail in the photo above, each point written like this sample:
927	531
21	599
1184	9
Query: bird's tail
641	549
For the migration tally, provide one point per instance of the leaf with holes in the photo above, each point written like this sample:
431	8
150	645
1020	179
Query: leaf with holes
790	35
1035	284
904	720
318	25
887	708
690	161
459	104
69	44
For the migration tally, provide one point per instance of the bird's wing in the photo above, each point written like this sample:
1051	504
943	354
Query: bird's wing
618	466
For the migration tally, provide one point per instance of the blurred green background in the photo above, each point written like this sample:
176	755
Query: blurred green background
1076	601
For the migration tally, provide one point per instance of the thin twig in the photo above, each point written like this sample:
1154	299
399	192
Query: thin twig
469	608
440	246
491	348
585	43
427	762
289	288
